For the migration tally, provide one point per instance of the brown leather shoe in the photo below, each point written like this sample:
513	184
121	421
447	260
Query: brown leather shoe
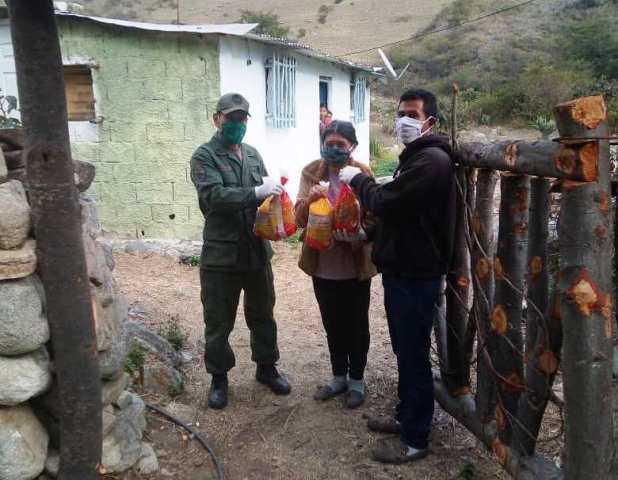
394	450
384	425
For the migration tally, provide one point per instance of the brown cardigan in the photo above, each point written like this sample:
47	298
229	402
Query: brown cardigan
313	174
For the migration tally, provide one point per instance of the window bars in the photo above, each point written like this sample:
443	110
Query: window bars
359	89
281	91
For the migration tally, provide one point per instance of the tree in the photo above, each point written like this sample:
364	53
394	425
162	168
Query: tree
269	23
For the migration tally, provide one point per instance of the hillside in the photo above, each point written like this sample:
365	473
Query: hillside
348	24
519	63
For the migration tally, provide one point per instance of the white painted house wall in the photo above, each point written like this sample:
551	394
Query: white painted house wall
242	70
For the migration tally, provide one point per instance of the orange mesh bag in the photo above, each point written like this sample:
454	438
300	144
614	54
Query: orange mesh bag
347	211
320	225
269	220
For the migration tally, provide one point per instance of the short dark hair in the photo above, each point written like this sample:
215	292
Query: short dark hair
343	128
430	102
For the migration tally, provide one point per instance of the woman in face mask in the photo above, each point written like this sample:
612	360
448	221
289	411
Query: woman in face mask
341	275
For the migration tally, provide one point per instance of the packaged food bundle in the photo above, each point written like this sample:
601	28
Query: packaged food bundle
269	220
347	211
320	225
287	208
275	219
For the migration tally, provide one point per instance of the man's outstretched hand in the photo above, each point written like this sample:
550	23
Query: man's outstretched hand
348	173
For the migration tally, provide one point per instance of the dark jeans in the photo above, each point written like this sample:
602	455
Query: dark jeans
220	297
344	305
410	305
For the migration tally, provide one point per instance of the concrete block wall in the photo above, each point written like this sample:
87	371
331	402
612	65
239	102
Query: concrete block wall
156	93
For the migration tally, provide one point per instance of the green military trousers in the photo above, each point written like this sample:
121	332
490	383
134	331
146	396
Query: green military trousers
220	297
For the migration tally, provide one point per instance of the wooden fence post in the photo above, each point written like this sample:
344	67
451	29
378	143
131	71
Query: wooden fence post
585	293
57	225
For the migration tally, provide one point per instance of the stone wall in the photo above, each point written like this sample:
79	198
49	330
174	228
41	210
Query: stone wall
28	397
155	93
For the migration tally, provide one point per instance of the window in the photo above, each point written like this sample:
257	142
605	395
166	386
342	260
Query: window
79	93
281	91
358	90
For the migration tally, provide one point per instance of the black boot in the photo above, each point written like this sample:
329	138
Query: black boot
217	397
269	376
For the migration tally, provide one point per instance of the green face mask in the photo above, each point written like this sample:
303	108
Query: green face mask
233	132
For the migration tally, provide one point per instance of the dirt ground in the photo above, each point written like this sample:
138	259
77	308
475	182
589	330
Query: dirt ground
259	435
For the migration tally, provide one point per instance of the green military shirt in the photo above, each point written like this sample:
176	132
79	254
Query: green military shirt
226	192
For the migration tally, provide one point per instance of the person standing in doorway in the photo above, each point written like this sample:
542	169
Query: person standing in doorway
412	248
231	180
341	275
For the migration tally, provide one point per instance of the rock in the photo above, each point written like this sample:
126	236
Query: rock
14	215
23	326
14	160
99	272
90	215
122	447
52	464
157	345
23	377
19	175
112	389
163	380
18	263
148	463
23	444
110	312
84	174
4	171
109	419
111	361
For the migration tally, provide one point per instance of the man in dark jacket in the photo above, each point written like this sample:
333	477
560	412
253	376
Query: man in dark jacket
231	181
412	249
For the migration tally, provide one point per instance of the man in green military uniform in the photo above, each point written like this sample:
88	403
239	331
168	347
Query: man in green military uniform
231	181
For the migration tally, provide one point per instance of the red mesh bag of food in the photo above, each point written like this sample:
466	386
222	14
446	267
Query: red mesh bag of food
287	209
346	216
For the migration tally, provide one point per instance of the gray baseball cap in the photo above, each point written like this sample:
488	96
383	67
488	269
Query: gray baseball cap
232	102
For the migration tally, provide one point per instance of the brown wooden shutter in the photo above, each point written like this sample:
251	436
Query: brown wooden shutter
79	92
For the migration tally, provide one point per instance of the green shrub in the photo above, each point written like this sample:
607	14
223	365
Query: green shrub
544	125
135	358
302	33
269	23
384	167
174	333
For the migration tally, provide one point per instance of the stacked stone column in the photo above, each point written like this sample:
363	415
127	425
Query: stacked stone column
29	438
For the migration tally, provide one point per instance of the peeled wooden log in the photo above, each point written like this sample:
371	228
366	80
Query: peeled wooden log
482	252
57	226
518	466
543	159
456	371
585	299
505	337
543	327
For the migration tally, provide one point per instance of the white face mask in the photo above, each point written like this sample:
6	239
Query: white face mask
409	129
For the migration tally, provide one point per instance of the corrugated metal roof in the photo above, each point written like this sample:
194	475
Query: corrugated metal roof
234	29
237	29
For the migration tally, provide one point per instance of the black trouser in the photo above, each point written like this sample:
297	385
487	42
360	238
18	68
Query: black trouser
410	305
220	296
344	305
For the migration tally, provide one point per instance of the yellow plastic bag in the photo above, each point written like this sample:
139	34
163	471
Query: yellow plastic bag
320	225
269	220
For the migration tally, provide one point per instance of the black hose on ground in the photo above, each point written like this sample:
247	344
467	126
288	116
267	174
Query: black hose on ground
194	434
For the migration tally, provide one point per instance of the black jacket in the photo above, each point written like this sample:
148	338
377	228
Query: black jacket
415	235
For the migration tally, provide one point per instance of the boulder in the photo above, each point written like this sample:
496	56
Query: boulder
18	263
90	216
148	463
14	215
112	389
23	377
122	446
23	444
84	173
154	343
99	272
112	360
163	380
110	312
52	464
23	326
4	171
